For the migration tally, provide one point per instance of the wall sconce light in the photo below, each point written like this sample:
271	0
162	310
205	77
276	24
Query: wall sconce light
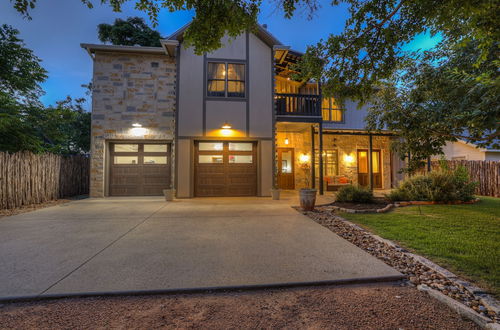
286	141
304	158
348	158
138	130
226	125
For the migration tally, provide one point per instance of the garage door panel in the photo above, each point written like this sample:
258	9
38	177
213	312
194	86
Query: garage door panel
241	191
124	190
149	174
234	174
211	191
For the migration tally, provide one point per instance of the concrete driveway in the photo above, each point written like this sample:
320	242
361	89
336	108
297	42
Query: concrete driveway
146	244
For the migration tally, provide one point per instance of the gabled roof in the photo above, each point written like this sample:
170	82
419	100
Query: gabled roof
261	32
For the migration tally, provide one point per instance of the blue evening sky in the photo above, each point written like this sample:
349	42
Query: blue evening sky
59	26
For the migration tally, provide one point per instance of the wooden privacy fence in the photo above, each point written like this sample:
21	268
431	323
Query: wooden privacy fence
485	173
27	178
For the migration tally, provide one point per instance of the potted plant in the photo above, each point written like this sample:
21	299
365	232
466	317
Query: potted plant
275	193
307	195
169	194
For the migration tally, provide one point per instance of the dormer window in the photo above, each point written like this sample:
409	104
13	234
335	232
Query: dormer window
225	79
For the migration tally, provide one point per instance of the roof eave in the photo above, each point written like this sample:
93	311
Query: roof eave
93	48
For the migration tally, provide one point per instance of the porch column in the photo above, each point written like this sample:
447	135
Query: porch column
370	161
320	137
313	159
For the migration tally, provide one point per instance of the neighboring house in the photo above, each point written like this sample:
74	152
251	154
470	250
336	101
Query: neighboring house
462	150
227	123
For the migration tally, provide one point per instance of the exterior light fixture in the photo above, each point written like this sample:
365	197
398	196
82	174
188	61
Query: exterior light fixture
304	158
348	158
226	126
138	130
286	141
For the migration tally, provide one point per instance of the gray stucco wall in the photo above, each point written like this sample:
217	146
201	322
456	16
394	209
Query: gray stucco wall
191	91
201	116
354	118
260	85
129	88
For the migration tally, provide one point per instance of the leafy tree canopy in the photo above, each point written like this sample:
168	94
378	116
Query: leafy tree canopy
20	70
24	123
446	94
129	32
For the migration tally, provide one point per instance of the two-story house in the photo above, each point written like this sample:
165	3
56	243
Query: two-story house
227	123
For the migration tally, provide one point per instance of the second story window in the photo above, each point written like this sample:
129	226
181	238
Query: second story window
225	79
330	110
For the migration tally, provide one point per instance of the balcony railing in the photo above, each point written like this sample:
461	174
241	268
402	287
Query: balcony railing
298	105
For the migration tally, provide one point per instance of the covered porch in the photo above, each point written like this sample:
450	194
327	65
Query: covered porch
309	156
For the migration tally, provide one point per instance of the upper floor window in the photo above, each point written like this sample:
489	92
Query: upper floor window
225	79
330	110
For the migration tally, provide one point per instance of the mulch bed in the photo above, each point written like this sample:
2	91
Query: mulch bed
378	203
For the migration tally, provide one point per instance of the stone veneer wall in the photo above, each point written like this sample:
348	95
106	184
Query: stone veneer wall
347	145
129	88
301	143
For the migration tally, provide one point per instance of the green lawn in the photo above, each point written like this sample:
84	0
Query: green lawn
463	238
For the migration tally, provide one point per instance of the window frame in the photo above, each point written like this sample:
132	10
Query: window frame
226	79
332	107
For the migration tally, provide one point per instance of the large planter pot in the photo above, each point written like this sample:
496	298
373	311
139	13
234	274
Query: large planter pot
276	194
169	194
307	199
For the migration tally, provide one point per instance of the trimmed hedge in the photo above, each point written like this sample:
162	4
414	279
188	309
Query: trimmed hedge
354	194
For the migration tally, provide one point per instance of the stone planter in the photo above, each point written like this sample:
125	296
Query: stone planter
169	194
275	193
307	199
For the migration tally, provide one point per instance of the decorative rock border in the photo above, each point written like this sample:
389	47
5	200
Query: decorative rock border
419	270
387	208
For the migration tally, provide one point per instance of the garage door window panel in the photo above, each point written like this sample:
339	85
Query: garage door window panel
163	148
210	146
152	160
126	160
240	159
211	159
126	148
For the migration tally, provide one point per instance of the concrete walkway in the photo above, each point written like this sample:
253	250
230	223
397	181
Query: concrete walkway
143	244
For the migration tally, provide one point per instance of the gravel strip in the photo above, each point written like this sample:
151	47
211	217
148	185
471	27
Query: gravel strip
381	306
416	271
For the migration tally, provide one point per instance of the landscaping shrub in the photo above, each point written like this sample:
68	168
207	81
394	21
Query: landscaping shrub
439	186
354	194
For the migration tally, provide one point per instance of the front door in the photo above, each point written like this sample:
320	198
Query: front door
286	170
364	171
